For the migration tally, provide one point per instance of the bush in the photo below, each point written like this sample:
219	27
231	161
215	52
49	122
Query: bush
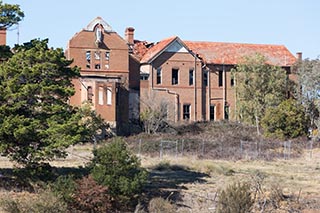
288	120
91	197
117	168
235	198
65	187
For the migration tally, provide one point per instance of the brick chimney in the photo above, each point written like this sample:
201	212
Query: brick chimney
3	36
129	35
299	56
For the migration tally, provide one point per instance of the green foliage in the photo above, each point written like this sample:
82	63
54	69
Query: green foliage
11	14
288	120
235	198
309	95
258	86
117	168
65	187
36	122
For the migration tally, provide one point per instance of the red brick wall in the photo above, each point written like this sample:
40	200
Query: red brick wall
3	37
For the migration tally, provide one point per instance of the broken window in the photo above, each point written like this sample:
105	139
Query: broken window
191	77
88	58
107	59
97	55
175	76
89	94
186	111
212	112
97	66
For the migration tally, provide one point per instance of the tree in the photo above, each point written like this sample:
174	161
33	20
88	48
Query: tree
11	14
309	81
36	122
114	166
155	114
288	120
259	85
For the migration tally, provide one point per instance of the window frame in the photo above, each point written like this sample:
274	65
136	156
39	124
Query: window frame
186	111
175	76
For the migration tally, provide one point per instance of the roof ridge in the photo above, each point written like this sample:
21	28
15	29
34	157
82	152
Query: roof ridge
221	42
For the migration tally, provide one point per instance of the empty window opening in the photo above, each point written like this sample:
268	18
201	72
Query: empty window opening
191	76
186	111
205	78
212	112
89	94
97	66
175	76
226	112
159	73
220	78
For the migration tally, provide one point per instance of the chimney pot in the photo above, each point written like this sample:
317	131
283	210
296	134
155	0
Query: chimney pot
299	56
3	36
129	35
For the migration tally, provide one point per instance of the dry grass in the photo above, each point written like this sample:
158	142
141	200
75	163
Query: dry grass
297	177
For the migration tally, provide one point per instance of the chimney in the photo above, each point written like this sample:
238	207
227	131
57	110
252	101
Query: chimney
3	36
299	56
129	35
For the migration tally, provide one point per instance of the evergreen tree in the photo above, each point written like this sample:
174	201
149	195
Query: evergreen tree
36	122
11	14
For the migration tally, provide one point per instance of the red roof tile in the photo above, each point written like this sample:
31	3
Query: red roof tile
233	53
156	49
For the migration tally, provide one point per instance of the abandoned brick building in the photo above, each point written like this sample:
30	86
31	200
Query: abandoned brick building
123	76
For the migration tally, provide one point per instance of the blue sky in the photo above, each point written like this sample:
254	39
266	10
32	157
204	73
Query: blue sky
293	23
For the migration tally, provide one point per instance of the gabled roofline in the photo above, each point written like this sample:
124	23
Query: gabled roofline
176	38
98	20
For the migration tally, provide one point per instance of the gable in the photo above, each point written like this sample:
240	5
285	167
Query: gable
176	47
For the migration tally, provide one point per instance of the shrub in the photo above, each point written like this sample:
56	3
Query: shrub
91	197
235	198
159	205
114	166
288	120
65	187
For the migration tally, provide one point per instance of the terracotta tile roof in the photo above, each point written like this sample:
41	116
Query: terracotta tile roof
156	49
233	53
140	48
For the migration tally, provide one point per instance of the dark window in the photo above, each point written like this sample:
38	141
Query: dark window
226	112
205	78
88	58
97	66
186	111
220	78
212	112
232	81
159	75
144	77
89	94
175	76
191	77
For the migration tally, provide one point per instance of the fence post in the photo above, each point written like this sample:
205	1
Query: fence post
139	147
176	149
161	150
182	146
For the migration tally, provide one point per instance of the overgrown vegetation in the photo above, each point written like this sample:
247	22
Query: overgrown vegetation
288	120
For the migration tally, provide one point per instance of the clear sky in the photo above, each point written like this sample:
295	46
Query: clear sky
293	23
